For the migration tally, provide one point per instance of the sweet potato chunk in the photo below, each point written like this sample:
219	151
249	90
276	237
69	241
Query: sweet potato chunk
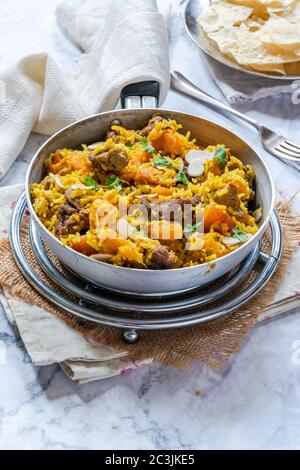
111	245
64	162
130	254
169	142
148	174
82	246
215	215
215	247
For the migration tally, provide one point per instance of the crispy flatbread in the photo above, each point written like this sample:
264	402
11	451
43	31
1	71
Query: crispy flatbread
261	34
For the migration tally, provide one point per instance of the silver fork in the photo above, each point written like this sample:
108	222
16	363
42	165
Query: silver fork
274	143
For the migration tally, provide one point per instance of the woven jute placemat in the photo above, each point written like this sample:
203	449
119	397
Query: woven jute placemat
211	343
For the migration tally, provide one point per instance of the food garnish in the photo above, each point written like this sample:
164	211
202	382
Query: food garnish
161	161
182	178
220	156
240	235
89	181
146	146
114	182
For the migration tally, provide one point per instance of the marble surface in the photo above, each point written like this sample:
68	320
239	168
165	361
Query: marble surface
253	404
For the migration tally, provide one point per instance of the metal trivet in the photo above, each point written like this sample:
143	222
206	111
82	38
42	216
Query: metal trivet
131	312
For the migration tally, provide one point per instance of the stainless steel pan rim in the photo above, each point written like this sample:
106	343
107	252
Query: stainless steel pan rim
118	113
134	324
190	16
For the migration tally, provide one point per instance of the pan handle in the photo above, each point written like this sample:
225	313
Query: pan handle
140	95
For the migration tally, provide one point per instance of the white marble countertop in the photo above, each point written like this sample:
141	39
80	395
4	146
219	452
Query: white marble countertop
253	404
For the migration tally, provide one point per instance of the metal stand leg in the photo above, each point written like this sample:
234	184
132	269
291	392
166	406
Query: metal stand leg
130	336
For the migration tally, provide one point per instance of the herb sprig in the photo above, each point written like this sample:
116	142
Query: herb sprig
182	178
161	161
145	146
220	156
191	228
114	182
89	181
239	234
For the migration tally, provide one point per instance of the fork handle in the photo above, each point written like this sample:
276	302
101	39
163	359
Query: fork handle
182	84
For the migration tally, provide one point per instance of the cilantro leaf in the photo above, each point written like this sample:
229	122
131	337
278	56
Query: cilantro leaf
161	161
114	182
188	228
220	156
145	146
181	178
239	234
89	181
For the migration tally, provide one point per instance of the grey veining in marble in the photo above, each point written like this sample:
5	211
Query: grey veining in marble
253	404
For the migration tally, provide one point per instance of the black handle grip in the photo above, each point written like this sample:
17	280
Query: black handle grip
149	88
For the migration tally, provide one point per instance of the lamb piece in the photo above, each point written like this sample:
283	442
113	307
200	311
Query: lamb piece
145	131
74	202
163	258
230	198
67	224
63	214
179	201
172	202
169	206
168	209
114	160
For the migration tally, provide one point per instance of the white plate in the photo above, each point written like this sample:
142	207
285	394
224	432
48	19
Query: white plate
193	10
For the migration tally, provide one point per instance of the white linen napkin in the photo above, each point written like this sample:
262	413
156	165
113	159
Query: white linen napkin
80	359
238	87
124	42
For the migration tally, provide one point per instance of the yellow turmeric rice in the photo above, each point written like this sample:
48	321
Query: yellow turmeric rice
148	171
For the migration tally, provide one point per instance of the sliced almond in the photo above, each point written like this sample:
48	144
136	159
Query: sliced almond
230	241
81	186
257	214
140	196
196	167
57	180
202	154
95	145
101	257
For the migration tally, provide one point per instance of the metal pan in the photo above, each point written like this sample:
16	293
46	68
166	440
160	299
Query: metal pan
193	10
132	280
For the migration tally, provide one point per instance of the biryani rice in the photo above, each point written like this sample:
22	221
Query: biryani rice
69	195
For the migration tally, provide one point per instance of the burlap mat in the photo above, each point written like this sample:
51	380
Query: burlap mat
212	343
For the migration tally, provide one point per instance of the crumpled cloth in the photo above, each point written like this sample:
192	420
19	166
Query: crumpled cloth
123	43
